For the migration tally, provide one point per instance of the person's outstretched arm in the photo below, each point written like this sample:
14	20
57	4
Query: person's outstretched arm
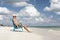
25	27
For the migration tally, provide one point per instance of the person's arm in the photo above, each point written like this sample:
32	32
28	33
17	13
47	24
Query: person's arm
25	27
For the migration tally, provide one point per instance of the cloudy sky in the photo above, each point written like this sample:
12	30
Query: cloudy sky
31	12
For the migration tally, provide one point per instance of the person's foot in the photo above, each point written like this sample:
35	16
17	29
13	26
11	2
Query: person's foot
29	31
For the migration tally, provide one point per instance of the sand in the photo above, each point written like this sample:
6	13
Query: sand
6	34
48	34
37	34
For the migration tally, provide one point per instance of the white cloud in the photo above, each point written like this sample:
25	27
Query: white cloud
16	3
51	16
4	10
31	20
57	13
29	11
11	1
47	9
1	17
54	6
20	4
39	19
30	14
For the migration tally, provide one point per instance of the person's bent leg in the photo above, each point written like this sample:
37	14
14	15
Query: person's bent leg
25	27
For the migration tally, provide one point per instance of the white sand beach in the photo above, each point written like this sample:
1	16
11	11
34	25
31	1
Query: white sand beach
37	34
6	34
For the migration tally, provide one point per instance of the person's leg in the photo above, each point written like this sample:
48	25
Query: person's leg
25	27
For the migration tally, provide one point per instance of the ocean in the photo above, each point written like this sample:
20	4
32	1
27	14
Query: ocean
47	27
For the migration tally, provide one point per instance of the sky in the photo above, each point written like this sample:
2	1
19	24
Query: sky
31	12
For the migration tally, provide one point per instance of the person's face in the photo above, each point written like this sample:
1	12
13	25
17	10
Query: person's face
14	17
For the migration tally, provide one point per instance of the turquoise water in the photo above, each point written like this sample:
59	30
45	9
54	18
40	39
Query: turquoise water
47	27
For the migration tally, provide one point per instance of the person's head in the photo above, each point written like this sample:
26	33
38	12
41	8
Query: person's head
14	16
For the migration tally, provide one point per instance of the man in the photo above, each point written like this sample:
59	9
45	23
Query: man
19	25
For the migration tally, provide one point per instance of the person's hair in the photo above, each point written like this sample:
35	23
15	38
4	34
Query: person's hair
14	16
